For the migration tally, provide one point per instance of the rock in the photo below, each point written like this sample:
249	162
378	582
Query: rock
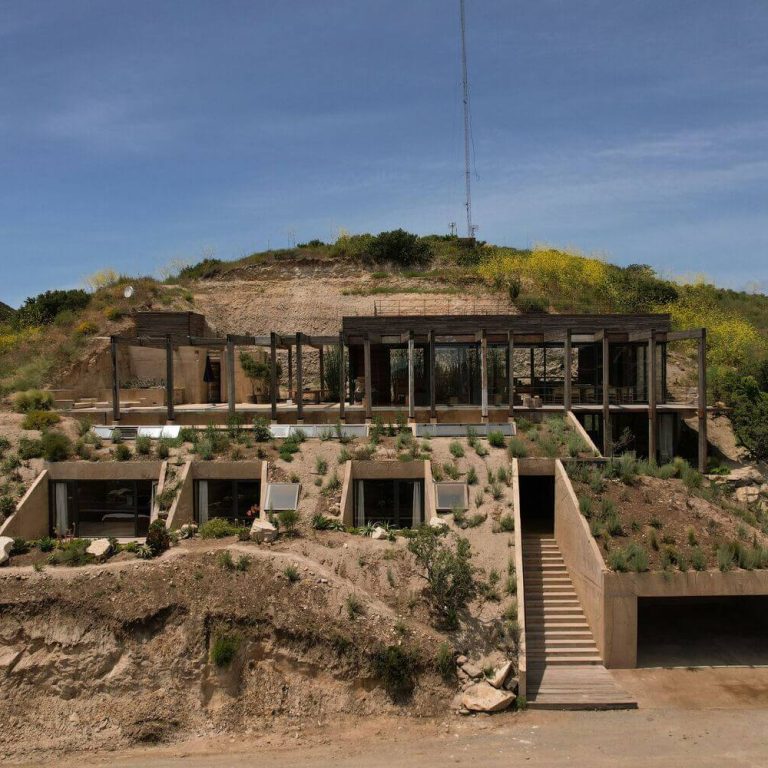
483	697
6	544
743	476
263	530
747	494
99	548
461	660
512	684
500	675
379	534
437	522
472	670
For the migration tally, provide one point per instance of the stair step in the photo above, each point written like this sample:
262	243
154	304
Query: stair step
560	633
546	660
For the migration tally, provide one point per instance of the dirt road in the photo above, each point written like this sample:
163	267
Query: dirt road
645	738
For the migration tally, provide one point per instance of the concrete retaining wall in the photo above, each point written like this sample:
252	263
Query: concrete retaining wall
31	520
519	573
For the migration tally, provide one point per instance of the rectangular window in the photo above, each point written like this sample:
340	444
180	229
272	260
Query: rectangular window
282	496
399	503
236	500
449	496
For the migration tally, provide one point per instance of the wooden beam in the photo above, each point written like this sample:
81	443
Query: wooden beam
367	371
432	366
342	378
696	333
115	380
322	372
411	382
273	382
702	400
483	375
653	429
511	371
231	376
169	378
203	341
567	366
299	380
607	434
290	372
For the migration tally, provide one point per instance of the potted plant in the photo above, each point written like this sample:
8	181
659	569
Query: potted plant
258	372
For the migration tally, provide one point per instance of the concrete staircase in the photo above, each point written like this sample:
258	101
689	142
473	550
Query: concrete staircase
565	670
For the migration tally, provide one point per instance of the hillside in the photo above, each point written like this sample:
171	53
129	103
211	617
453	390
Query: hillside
6	312
312	286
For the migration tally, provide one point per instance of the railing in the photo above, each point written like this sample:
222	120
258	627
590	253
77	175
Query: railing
441	306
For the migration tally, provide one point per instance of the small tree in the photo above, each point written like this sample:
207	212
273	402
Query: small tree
255	370
448	571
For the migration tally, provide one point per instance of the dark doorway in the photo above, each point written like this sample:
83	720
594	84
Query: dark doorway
213	379
537	503
703	631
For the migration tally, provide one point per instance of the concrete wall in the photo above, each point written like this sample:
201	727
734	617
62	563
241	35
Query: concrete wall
520	574
578	427
582	557
106	470
31	520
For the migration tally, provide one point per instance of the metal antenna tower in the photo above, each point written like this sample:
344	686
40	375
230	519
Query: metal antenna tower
465	86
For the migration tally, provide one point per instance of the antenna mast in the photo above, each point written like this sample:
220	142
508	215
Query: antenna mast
465	85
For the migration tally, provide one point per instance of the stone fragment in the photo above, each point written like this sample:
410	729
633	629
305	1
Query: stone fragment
263	530
500	675
483	697
472	670
379	534
99	548
6	544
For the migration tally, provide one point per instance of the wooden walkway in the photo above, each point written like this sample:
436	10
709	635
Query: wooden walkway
565	670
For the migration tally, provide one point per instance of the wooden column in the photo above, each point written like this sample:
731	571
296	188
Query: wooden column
511	371
115	381
702	401
432	366
299	380
607	435
411	382
273	382
169	377
568	364
368	387
533	373
290	372
653	431
341	376
231	376
322	373
483	374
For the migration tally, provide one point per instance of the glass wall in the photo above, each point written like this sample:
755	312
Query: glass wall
102	508
236	500
400	503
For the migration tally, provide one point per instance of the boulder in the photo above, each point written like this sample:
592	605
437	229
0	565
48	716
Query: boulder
6	545
747	494
379	534
99	548
461	660
744	476
263	530
437	522
512	684
472	670
483	697
500	675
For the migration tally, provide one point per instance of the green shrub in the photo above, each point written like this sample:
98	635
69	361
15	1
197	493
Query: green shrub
399	247
224	559
33	400
516	449
332	486
165	499
532	304
204	449
30	449
224	649
56	446
288	518
7	506
507	523
354	606
396	667
617	560
585	506
43	308
122	452
41	420
445	663
218	528
496	439
163	449
158	538
637	557
188	435
322	523
451	470
321	466
291	572
471	476
143	445
456	449
725	555
71	553
504	476
698	560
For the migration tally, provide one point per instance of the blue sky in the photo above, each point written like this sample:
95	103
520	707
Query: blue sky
135	133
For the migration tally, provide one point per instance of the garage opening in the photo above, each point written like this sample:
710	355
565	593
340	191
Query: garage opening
537	503
702	631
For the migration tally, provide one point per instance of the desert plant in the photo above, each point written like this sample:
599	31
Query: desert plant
396	667
698	560
507	523
224	649
224	559
71	553
30	449
218	528
122	452
456	449
332	485
288	518
585	506
496	439
158	537
471	476
143	445
725	554
445	663
497	491
56	446
33	400
243	563
321	466
516	448
354	606
617	560
41	420
291	572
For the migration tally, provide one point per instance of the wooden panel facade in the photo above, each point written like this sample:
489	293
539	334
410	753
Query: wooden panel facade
178	325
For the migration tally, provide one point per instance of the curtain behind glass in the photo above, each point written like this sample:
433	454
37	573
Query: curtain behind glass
62	509
416	519
360	511
202	501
